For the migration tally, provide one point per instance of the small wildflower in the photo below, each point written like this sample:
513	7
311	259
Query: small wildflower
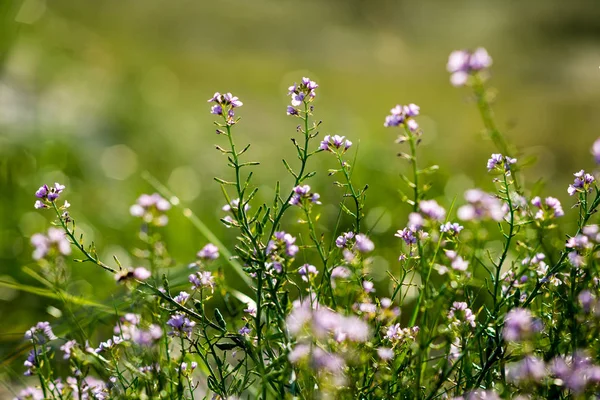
181	298
201	280
500	161
364	244
596	151
40	333
462	64
151	209
302	93
329	143
244	330
307	271
452	228
519	324
224	106
55	239
462	307
432	209
181	325
481	206
67	348
550	208
342	240
139	273
400	115
582	183
303	192
208	252
368	286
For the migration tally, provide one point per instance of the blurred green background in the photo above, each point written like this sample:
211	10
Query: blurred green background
94	93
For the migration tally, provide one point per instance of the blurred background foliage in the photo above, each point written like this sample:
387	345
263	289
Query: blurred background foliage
94	93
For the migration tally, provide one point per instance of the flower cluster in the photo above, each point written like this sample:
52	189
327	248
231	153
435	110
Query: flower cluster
582	183
310	322
307	272
208	253
498	161
55	241
151	208
335	143
138	273
395	333
303	192
202	279
468	317
40	333
302	93
129	328
224	106
550	208
403	115
519	325
462	64
481	206
48	195
181	325
280	248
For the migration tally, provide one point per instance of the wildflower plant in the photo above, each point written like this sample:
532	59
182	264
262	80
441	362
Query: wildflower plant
310	323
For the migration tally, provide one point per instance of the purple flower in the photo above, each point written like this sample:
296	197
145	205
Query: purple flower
151	209
181	298
208	252
403	115
48	194
499	161
480	59
181	325
291	110
596	150
432	209
300	94
55	239
462	64
340	272
481	206
408	235
216	109
582	183
141	273
42	192
467	315
519	324
576	372
385	353
201	280
303	192
335	142
342	240
244	330
31	362
396	333
224	105
40	333
551	208
307	271
67	348
587	300
453	228
30	393
364	244
368	286
411	110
